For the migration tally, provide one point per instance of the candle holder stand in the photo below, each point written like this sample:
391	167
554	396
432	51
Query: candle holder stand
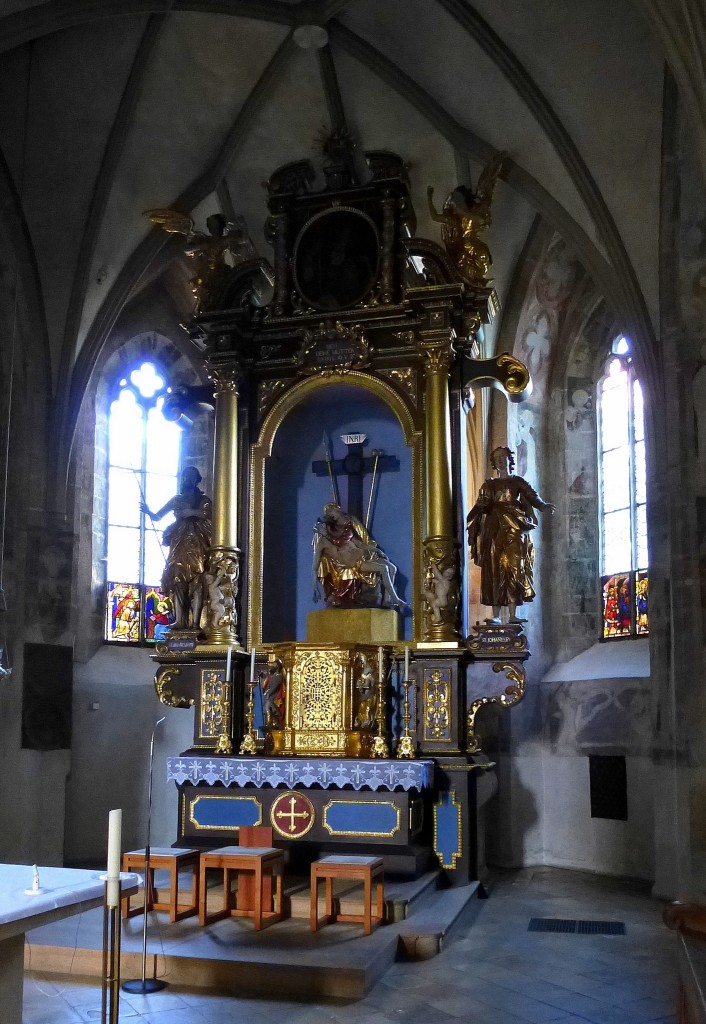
406	746
380	748
110	974
249	744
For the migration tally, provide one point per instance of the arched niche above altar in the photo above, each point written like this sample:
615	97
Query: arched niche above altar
288	496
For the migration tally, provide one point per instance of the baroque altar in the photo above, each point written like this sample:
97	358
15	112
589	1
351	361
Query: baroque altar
351	725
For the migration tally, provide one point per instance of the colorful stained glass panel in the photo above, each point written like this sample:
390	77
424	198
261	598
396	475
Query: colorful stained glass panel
617	604
123	613
159	614
642	625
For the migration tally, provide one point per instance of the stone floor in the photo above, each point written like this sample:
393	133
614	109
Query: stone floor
492	970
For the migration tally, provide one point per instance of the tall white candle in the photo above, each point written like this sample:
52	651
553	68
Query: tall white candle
380	675
406	662
252	663
115	820
228	665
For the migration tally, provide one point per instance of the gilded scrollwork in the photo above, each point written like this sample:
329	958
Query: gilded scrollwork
512	694
405	378
438	356
437	704
267	391
333	348
162	683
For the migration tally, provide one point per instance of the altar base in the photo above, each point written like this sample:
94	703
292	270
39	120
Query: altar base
357	625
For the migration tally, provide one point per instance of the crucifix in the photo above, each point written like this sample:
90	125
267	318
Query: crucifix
355	465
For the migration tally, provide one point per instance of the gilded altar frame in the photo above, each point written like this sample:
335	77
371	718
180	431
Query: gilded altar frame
408	418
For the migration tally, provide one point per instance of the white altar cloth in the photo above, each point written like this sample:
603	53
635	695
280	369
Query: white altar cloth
69	891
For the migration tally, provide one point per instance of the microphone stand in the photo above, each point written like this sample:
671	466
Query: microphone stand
145	984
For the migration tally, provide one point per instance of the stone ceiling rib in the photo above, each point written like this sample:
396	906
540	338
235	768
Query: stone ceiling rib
465	140
57	15
157	243
632	301
332	90
104	182
25	265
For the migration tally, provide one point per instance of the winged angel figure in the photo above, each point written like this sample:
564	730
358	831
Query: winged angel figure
464	218
209	251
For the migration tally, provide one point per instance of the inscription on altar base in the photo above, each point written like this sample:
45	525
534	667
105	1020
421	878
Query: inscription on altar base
491	640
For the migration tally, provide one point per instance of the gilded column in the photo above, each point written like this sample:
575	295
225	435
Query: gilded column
441	566
224	554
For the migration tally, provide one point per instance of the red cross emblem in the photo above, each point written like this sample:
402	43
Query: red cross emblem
292	815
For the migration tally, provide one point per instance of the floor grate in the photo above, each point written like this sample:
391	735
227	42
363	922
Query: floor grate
559	924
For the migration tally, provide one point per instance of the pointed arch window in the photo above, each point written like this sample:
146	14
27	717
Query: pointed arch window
144	451
623	515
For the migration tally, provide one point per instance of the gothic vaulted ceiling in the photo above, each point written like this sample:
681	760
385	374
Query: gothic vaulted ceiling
111	107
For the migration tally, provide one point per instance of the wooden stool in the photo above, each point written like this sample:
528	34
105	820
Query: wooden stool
263	862
249	836
361	869
174	861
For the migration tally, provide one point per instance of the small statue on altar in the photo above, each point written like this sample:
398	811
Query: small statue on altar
464	218
366	695
188	539
273	694
214	253
499	527
349	565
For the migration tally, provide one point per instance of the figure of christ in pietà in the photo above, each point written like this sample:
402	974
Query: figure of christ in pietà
348	564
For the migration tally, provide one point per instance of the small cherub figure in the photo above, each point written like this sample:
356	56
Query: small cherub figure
464	218
437	593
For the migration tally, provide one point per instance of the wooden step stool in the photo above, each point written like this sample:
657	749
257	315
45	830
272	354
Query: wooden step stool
264	862
360	869
173	860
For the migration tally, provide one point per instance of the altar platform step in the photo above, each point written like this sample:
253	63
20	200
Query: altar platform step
286	958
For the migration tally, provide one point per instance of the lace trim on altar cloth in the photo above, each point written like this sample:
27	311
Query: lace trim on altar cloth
326	772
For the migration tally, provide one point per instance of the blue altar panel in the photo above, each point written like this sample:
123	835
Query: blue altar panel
212	811
380	818
329	773
448	830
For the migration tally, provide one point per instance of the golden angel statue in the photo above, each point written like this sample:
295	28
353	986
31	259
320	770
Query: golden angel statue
464	218
226	240
188	538
499	526
348	564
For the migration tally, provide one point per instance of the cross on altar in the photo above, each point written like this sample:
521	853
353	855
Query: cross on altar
292	814
355	465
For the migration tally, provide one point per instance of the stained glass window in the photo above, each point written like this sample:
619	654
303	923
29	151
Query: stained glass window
143	466
622	466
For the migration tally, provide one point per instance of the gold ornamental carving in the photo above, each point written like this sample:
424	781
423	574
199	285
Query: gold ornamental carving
405	378
516	374
437	704
221	582
224	380
266	393
162	683
438	357
333	348
215	706
512	694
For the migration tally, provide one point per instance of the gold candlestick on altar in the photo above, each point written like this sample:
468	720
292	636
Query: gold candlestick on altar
406	744
380	747
249	744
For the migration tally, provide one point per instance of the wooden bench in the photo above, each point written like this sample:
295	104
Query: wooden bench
264	863
174	861
360	869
